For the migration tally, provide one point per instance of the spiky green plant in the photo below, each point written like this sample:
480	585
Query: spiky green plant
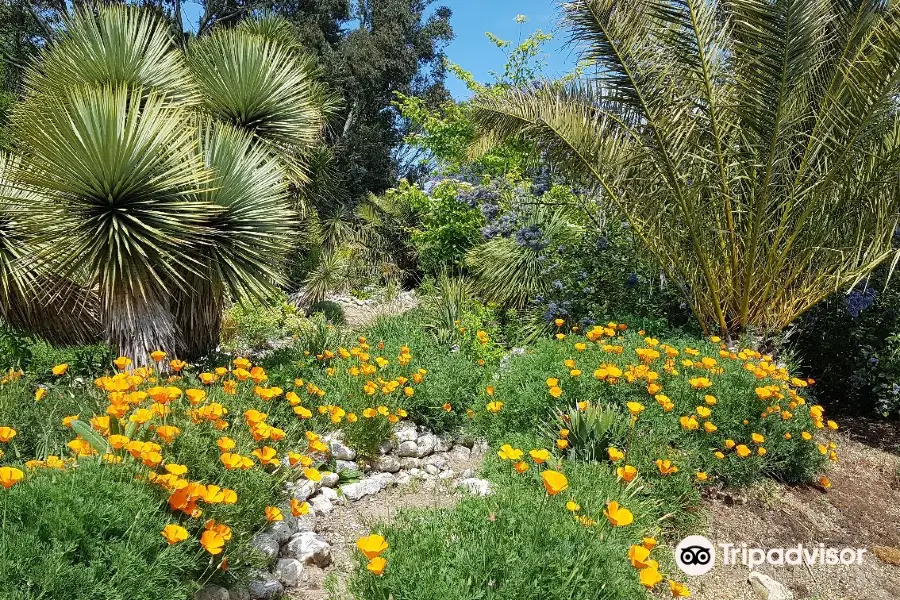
158	189
592	431
752	144
255	83
511	274
32	297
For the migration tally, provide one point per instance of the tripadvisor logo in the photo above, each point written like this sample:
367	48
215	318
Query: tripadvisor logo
695	555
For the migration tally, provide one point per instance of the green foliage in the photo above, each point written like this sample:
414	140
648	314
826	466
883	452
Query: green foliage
850	344
185	146
450	226
454	378
252	325
592	431
736	175
332	311
517	543
89	533
447	131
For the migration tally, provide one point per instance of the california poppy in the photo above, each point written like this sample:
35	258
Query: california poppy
618	516
174	533
372	545
554	482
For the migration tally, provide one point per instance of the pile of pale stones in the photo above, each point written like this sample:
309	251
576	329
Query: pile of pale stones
294	545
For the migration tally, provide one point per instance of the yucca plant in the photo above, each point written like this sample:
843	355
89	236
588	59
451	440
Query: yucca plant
156	187
752	144
591	430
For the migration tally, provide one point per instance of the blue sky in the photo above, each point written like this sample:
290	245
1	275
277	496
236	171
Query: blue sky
471	49
474	52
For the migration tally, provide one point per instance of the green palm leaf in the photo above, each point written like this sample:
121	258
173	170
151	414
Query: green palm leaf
750	143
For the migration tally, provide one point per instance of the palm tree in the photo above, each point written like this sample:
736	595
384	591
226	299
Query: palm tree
157	184
752	144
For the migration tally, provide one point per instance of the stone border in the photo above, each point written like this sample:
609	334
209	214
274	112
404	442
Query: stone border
294	544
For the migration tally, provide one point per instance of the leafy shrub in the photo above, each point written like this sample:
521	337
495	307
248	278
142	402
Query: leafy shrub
850	344
251	325
332	311
693	396
451	224
89	533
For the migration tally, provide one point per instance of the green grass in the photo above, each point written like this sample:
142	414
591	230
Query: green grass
85	534
518	544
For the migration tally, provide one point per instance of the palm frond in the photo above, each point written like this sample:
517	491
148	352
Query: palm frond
750	143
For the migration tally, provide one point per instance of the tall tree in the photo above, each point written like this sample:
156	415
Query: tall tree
369	50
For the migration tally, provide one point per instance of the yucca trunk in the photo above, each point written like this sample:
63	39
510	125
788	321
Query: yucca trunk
136	325
198	318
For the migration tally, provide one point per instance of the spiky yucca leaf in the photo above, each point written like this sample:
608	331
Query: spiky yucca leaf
32	298
120	45
250	235
258	85
251	232
118	173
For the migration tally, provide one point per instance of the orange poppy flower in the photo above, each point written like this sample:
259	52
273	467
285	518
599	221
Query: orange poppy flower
554	482
212	542
174	534
372	545
10	476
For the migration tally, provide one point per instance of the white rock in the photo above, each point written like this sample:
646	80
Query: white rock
382	479
386	447
264	586
360	489
329	480
406	432
403	479
432	470
305	522
408	448
477	487
238	592
438	460
387	464
448	474
309	548
212	592
266	544
460	453
346	465
331	495
467	474
410	462
321	504
280	530
767	588
443	444
301	490
289	571
417	473
341	452
426	444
